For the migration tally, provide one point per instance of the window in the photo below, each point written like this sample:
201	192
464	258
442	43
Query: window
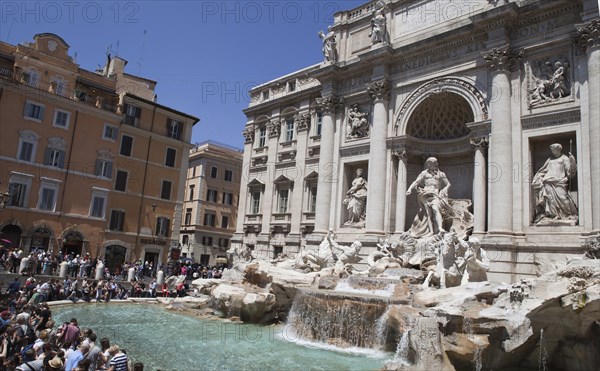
291	86
207	241
121	181
170	160
319	123
47	197
54	157
227	198
262	136
126	145
265	95
191	194
289	129
110	132
224	222
185	239
98	204
312	199
104	168
174	129
117	220
223	242
61	119
211	195
188	217
60	86
18	193
209	220
26	151
214	172
228	176
132	115
33	111
282	204
255	203
31	78
165	192
162	226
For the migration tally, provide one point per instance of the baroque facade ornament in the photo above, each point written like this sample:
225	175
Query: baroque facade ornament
439	85
328	104
248	135
502	59
481	142
378	32
274	128
302	121
588	35
400	154
329	45
552	83
358	125
379	90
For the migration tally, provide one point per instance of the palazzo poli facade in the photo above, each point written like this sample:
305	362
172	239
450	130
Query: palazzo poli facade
485	87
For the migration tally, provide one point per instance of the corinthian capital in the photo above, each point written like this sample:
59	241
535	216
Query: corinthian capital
588	35
502	59
274	128
379	90
302	121
328	104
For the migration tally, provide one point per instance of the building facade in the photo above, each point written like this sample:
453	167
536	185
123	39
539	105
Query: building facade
211	202
91	166
485	87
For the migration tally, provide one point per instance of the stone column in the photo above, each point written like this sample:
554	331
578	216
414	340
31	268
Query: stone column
301	123
243	202
500	179
328	106
589	41
479	185
401	190
380	93
273	131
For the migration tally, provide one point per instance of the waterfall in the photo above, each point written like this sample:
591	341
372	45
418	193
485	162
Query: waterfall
401	355
477	359
341	319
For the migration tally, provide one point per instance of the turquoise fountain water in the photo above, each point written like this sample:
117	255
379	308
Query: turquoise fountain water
164	340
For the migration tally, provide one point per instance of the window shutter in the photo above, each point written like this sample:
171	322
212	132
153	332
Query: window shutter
179	130
157	232
115	133
98	170
41	117
47	155
26	109
169	127
167	226
61	159
109	169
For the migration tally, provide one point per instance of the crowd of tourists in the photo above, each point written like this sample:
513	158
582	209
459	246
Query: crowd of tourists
30	340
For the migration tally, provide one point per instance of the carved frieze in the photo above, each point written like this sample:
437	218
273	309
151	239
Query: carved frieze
480	143
552	119
549	81
357	126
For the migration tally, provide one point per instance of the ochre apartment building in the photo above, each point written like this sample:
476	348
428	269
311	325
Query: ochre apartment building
92	163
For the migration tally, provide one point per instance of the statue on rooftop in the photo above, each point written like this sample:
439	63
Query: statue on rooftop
329	45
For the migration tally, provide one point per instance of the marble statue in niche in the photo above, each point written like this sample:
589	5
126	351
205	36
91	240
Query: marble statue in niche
356	201
550	184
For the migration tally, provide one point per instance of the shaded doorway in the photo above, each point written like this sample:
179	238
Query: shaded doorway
40	239
73	244
114	258
151	257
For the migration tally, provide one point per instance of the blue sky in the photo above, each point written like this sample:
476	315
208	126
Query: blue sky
205	55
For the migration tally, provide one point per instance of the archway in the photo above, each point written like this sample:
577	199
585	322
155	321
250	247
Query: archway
114	258
40	239
440	116
11	235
